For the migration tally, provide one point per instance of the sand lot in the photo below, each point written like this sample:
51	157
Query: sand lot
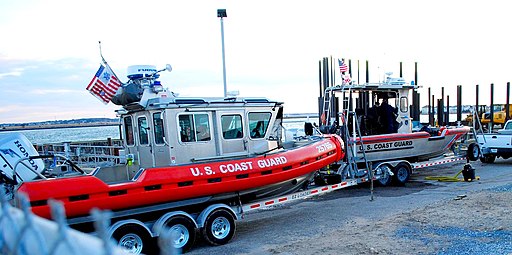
424	217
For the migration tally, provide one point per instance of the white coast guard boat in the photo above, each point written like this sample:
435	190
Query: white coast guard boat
384	122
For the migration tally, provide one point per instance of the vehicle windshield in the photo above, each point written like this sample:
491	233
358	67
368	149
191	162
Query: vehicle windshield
498	108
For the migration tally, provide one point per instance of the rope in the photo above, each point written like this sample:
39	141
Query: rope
449	178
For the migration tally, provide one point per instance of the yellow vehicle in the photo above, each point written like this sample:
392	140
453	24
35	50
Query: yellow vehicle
469	118
499	115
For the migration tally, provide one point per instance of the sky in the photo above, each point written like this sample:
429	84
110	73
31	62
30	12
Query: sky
49	49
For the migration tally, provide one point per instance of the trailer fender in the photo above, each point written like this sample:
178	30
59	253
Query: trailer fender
159	224
121	223
202	216
391	164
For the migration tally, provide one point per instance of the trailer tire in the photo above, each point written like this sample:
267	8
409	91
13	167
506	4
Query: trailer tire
402	173
185	230
489	159
219	227
473	152
134	239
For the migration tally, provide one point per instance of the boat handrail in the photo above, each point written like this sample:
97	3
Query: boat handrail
237	155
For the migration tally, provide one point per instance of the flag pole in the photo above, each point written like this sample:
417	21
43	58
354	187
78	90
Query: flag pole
108	66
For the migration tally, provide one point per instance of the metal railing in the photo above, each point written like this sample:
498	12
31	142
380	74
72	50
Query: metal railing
86	154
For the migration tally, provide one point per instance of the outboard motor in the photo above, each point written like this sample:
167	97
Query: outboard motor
13	148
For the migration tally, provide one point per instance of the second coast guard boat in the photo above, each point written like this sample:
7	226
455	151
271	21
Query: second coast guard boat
383	123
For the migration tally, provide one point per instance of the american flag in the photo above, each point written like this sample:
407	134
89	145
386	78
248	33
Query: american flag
104	85
343	66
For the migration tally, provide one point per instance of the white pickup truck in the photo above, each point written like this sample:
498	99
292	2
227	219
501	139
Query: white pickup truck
490	146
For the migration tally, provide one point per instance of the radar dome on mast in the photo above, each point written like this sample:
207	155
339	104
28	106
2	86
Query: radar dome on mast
142	71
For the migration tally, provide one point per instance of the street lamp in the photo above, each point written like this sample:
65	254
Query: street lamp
221	13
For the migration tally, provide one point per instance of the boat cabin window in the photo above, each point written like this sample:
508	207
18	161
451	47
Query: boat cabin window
232	126
128	130
158	124
258	123
194	127
404	104
143	130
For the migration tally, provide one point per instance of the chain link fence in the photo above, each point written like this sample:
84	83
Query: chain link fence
23	233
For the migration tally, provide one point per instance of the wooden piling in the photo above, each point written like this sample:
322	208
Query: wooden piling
358	80
432	120
507	103
439	112
367	72
350	68
477	109
430	108
415	95
459	103
447	113
320	85
491	117
333	71
441	121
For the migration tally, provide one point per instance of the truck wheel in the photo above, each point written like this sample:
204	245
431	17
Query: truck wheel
385	179
219	227
489	159
183	233
134	239
473	152
402	173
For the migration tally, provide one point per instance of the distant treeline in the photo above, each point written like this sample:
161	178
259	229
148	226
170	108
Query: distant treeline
87	122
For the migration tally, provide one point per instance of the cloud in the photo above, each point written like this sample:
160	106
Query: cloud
52	91
271	49
14	73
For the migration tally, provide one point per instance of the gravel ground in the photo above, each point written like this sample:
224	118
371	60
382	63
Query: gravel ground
424	217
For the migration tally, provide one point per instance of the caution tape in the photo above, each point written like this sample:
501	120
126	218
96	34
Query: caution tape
437	162
298	195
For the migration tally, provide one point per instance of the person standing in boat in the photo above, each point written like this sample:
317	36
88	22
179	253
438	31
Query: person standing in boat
387	116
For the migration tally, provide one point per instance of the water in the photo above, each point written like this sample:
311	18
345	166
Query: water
452	116
59	135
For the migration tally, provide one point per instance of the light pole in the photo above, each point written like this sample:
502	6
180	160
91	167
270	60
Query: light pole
221	13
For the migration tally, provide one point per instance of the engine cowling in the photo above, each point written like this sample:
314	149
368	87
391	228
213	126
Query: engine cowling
14	147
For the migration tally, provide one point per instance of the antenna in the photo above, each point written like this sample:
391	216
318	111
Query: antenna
101	54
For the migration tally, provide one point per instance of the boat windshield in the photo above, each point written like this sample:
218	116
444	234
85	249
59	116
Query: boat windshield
258	123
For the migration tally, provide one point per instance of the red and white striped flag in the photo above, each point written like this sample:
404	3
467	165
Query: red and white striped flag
343	66
104	85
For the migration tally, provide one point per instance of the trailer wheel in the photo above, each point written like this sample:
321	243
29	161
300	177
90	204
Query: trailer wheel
489	159
386	178
219	227
473	152
134	239
184	232
402	173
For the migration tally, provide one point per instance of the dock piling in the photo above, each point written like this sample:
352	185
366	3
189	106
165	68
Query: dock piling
491	116
507	103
